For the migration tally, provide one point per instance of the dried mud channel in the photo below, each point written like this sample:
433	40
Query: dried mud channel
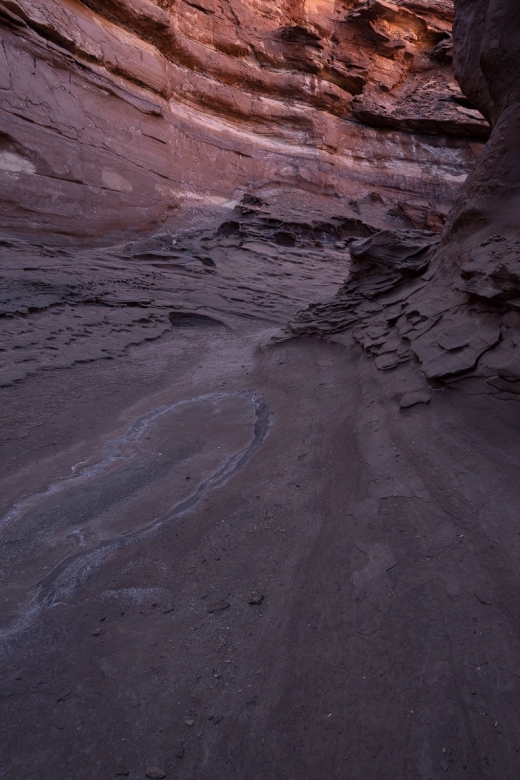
232	560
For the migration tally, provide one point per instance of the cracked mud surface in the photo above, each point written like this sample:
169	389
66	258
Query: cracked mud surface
229	560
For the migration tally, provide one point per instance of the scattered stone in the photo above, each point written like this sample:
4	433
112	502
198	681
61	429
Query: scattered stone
390	360
98	631
179	752
189	722
155	772
256	598
411	399
218	607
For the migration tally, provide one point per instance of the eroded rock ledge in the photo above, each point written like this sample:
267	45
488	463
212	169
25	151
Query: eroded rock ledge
116	114
453	306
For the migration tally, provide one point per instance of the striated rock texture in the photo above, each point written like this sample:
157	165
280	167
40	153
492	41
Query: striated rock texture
456	308
117	113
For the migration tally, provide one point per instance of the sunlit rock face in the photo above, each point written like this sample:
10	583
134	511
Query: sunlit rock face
451	304
118	116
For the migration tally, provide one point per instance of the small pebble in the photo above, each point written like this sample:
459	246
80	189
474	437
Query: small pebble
218	607
418	397
155	772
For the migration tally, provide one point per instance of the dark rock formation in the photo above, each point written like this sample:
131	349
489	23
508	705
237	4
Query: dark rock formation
66	306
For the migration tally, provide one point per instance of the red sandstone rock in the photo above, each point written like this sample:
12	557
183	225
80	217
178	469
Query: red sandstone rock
115	114
460	314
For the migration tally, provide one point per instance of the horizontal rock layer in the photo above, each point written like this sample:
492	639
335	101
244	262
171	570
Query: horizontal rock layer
453	307
115	115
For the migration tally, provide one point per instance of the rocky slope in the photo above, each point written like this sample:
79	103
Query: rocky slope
115	115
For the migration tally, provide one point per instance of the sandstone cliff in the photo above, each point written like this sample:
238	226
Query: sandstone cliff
116	115
453	308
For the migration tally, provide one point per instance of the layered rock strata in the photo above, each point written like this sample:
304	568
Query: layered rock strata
455	307
62	306
115	115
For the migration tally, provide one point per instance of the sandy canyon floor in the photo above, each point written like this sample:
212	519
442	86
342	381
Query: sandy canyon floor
236	561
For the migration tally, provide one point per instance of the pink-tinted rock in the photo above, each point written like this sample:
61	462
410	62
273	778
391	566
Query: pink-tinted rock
454	308
118	116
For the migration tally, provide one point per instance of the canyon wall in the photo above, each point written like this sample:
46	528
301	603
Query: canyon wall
487	36
452	307
119	116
